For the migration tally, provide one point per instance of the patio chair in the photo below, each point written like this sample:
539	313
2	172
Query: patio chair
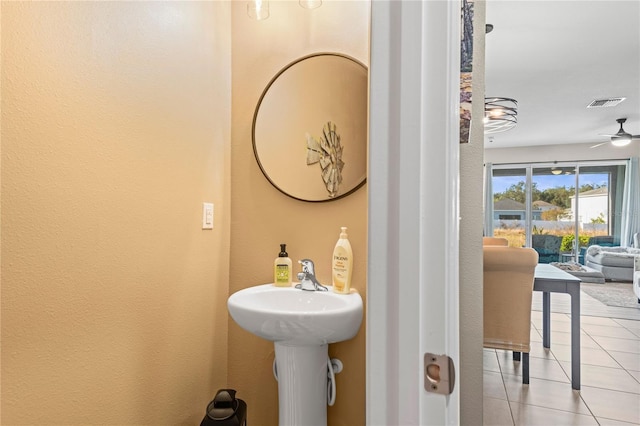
603	241
547	246
508	287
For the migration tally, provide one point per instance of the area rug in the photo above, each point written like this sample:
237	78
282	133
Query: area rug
612	294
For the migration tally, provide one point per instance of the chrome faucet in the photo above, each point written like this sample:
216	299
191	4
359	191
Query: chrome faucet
307	277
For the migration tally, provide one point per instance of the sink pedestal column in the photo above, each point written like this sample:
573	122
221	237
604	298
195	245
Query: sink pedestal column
302	384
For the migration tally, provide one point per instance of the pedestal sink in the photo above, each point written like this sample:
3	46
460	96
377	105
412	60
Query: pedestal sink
301	324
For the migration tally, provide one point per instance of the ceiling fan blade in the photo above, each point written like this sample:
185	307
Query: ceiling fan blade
598	144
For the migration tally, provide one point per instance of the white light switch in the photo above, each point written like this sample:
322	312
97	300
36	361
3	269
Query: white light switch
207	215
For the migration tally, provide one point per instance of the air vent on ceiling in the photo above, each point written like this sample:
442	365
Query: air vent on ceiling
603	103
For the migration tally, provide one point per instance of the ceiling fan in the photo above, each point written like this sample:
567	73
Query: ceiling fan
621	138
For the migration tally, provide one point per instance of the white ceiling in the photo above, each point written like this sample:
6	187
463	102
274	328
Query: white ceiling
554	58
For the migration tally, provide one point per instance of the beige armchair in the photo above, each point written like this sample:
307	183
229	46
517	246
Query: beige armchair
508	289
494	241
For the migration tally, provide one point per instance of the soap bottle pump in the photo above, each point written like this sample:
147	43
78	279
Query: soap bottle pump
342	264
282	268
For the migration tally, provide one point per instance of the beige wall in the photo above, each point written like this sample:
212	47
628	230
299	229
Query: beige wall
262	217
115	129
471	172
115	122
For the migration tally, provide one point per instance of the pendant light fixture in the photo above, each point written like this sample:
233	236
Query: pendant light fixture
258	9
310	4
500	114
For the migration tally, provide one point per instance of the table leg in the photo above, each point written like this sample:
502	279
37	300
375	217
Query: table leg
546	319
574	292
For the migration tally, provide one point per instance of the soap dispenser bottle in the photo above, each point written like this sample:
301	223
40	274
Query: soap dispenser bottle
342	264
282	274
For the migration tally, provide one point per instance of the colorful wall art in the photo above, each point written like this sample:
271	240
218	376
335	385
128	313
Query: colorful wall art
466	69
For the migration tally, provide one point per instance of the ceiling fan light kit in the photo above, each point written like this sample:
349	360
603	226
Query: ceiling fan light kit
621	141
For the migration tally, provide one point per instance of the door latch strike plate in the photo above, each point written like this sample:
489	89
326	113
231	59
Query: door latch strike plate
439	374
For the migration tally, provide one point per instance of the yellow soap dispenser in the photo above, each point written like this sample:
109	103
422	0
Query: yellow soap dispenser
282	272
342	264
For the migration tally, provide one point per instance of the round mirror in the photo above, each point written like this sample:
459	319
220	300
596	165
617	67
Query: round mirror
310	128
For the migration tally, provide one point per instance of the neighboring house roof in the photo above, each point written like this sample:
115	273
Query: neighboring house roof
508	204
543	205
594	192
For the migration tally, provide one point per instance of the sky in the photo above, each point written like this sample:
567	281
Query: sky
549	181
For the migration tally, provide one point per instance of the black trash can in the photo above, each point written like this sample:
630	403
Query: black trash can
226	410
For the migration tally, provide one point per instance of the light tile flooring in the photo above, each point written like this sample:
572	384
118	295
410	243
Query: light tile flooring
610	351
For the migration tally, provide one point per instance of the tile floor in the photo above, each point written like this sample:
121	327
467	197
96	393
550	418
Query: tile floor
610	351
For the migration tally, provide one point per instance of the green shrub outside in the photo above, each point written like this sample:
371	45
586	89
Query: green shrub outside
567	242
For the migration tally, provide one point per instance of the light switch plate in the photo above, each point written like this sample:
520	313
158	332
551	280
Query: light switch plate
207	215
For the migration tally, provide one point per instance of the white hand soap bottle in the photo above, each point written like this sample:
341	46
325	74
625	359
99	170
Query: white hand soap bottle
342	264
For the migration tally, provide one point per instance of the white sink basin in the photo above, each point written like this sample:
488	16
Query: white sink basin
301	324
296	317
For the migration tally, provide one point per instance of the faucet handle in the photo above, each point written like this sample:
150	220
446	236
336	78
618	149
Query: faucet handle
307	266
307	277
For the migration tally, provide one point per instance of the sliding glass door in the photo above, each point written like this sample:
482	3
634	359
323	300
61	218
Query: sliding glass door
553	228
599	205
558	208
510	205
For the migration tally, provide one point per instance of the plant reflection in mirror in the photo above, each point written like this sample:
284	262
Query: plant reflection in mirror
328	152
